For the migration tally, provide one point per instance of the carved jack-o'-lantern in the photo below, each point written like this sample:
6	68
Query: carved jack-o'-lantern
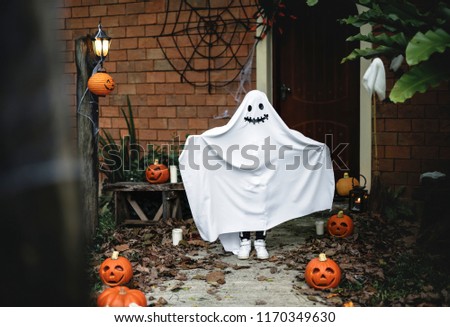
340	225
157	173
322	273
121	296
345	184
101	84
116	270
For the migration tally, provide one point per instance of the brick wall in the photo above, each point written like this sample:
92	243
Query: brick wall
163	106
414	137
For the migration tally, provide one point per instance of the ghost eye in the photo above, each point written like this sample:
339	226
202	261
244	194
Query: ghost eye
261	106
249	108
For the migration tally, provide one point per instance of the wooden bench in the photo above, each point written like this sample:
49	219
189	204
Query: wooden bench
170	207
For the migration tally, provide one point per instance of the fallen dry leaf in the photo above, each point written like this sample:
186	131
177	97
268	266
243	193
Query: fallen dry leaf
215	277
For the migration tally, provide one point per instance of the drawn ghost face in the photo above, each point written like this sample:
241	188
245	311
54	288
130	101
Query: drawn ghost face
256	113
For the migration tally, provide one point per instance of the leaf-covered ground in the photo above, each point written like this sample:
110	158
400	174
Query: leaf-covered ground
381	263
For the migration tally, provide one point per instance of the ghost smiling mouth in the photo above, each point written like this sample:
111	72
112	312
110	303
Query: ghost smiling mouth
258	120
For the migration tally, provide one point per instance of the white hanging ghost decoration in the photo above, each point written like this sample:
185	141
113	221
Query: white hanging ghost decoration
374	79
253	174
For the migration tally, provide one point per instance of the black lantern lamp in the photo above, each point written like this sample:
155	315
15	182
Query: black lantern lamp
358	198
101	42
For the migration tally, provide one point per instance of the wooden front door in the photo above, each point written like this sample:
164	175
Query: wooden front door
313	92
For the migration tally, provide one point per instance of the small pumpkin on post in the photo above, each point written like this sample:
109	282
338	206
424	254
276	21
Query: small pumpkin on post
116	270
340	225
322	273
157	173
121	296
101	84
345	184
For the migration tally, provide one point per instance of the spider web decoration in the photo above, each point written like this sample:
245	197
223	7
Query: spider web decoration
203	39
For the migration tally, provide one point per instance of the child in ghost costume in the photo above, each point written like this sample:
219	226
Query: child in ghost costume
253	174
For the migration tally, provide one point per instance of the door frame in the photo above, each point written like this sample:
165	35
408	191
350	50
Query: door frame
265	83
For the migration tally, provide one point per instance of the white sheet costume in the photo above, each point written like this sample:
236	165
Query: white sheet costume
253	173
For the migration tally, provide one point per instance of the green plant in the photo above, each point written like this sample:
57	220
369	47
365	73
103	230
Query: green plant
399	27
122	162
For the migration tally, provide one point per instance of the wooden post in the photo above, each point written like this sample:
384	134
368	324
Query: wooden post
87	126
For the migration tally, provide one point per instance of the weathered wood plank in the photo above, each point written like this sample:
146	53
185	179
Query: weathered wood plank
143	187
137	208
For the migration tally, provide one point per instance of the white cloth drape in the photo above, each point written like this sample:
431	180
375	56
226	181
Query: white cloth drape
253	173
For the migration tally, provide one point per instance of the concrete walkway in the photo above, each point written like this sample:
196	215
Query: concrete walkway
254	283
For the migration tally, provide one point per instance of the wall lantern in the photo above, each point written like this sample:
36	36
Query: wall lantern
358	198
101	42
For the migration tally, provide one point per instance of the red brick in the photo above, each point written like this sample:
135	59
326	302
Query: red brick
167	112
195	100
128	43
398	125
135	8
158	123
397	152
444	125
78	12
125	66
164	88
126	88
136	54
407	165
411	138
156	100
107	111
156	77
117	55
198	123
97	11
394	178
411	112
176	100
146	19
187	112
147	112
144	88
135	31
217	100
178	123
208	112
147	134
386	164
387	138
143	65
425	152
136	78
116	10
425	125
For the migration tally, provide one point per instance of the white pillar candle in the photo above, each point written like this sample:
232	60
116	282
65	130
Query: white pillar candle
177	235
173	174
319	227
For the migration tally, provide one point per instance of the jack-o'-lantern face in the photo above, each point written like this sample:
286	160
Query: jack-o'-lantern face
256	114
116	271
340	225
322	273
110	84
157	173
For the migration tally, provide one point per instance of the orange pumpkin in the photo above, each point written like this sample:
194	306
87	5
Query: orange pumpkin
116	270
121	296
101	84
322	273
340	225
157	173
345	184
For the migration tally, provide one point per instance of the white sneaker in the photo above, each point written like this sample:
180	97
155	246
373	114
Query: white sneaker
244	250
261	251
